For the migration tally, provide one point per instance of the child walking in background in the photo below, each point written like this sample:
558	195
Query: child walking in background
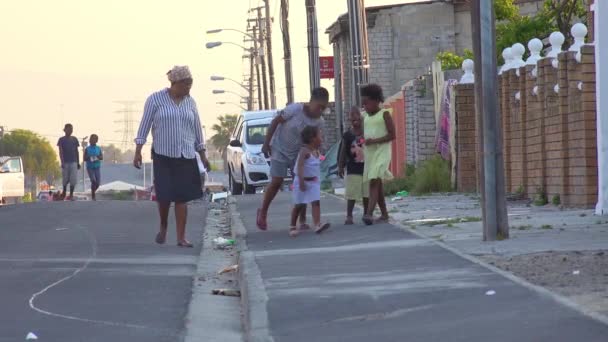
352	158
379	132
93	157
307	182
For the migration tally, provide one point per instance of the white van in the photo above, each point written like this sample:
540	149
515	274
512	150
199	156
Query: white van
248	168
12	180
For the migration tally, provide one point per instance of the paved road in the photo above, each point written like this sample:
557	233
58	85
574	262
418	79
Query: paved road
381	283
89	271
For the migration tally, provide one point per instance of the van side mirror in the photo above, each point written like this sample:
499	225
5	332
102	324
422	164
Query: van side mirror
235	143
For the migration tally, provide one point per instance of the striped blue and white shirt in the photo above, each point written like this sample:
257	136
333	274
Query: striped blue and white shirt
176	129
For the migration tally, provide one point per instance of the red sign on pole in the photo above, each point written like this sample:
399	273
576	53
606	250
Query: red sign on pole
327	66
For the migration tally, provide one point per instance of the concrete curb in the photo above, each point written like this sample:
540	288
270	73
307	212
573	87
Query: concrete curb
538	289
209	317
253	292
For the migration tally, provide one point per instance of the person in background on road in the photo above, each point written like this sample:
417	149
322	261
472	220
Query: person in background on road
352	158
93	157
378	133
307	181
177	137
283	143
70	160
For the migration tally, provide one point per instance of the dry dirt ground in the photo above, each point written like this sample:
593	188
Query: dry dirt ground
580	276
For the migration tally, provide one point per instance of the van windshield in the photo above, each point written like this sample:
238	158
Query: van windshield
256	134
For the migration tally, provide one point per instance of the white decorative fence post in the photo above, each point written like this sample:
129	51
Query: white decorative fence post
468	78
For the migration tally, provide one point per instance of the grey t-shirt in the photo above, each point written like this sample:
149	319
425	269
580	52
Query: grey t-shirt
69	148
287	140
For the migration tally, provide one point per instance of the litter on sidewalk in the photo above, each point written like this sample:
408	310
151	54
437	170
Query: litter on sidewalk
228	269
400	195
221	243
227	292
31	336
490	293
577	272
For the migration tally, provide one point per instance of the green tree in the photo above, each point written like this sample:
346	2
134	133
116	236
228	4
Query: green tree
564	14
39	157
223	131
451	61
511	28
505	10
522	29
112	154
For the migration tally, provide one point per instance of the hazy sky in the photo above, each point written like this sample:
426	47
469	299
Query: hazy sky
69	60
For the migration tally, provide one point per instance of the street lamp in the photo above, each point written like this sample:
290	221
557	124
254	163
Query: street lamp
232	103
229	29
222	78
212	45
222	91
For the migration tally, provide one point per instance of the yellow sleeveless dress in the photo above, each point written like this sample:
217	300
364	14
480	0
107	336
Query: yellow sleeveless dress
377	156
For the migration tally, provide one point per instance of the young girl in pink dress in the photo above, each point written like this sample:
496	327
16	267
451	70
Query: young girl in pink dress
307	182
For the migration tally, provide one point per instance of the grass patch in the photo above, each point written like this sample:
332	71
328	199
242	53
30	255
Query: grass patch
540	198
582	215
556	200
546	226
524	227
432	176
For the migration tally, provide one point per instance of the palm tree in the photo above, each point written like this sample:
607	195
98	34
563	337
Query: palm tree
223	131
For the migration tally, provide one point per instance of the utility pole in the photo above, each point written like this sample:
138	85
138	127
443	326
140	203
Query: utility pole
257	66
250	87
491	163
358	39
313	45
273	96
287	50
260	51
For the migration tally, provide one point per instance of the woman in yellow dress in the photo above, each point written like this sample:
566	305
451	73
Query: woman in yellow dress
378	132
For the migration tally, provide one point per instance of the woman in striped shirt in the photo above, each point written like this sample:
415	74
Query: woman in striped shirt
177	136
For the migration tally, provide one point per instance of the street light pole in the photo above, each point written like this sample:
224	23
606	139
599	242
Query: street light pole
229	29
253	53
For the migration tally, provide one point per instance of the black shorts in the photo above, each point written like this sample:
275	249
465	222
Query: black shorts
176	179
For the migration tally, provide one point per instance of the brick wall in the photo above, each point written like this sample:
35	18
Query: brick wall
549	130
466	138
421	126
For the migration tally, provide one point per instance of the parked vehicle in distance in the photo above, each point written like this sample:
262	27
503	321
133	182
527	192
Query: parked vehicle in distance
248	168
12	180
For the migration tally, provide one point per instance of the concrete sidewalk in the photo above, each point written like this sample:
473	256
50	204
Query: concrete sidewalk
358	283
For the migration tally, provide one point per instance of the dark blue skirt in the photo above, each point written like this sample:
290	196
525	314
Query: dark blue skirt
176	179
